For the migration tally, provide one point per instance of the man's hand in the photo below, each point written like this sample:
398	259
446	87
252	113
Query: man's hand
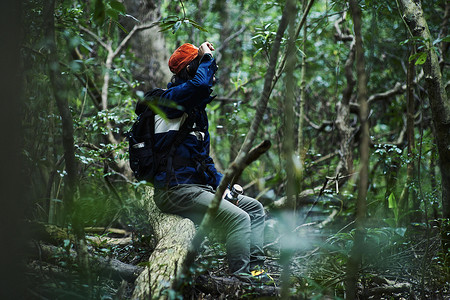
204	48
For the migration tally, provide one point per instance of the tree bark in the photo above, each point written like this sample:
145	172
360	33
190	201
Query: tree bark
300	137
345	131
403	201
148	45
355	258
173	234
439	102
292	188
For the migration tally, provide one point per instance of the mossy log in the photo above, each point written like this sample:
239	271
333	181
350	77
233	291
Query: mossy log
173	235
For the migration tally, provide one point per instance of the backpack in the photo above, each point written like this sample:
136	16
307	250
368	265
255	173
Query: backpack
145	162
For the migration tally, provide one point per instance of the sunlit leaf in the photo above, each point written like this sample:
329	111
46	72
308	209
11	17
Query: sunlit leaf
421	59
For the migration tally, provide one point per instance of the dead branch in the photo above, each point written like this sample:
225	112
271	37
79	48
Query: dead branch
396	90
320	127
343	36
101	265
108	65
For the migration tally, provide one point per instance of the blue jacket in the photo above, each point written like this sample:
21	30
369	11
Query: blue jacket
190	96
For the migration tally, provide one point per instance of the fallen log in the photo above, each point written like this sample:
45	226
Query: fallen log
391	289
216	286
174	235
108	267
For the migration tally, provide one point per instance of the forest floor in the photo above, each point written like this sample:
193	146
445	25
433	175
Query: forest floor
398	263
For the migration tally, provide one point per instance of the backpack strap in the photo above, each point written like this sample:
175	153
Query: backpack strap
183	132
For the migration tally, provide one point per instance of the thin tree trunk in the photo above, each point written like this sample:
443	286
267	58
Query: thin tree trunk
345	165
300	142
355	258
224	60
288	138
406	193
59	92
288	148
440	104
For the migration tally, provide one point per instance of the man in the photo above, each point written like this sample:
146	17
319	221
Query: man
186	183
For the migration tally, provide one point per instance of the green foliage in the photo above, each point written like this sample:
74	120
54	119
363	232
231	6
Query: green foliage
174	23
243	33
111	9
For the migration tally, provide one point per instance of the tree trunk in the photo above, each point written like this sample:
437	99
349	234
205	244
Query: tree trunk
58	88
345	165
148	45
355	258
292	188
301	149
408	190
440	105
173	234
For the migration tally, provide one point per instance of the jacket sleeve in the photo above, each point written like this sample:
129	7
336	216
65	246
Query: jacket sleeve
196	91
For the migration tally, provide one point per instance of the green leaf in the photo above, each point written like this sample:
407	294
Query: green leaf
196	25
99	12
393	205
421	59
166	25
391	201
413	57
113	14
116	5
121	27
157	110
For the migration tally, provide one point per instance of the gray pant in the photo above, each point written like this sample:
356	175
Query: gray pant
242	224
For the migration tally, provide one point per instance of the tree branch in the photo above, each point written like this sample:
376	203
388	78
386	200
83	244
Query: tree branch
397	89
135	29
96	37
253	155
